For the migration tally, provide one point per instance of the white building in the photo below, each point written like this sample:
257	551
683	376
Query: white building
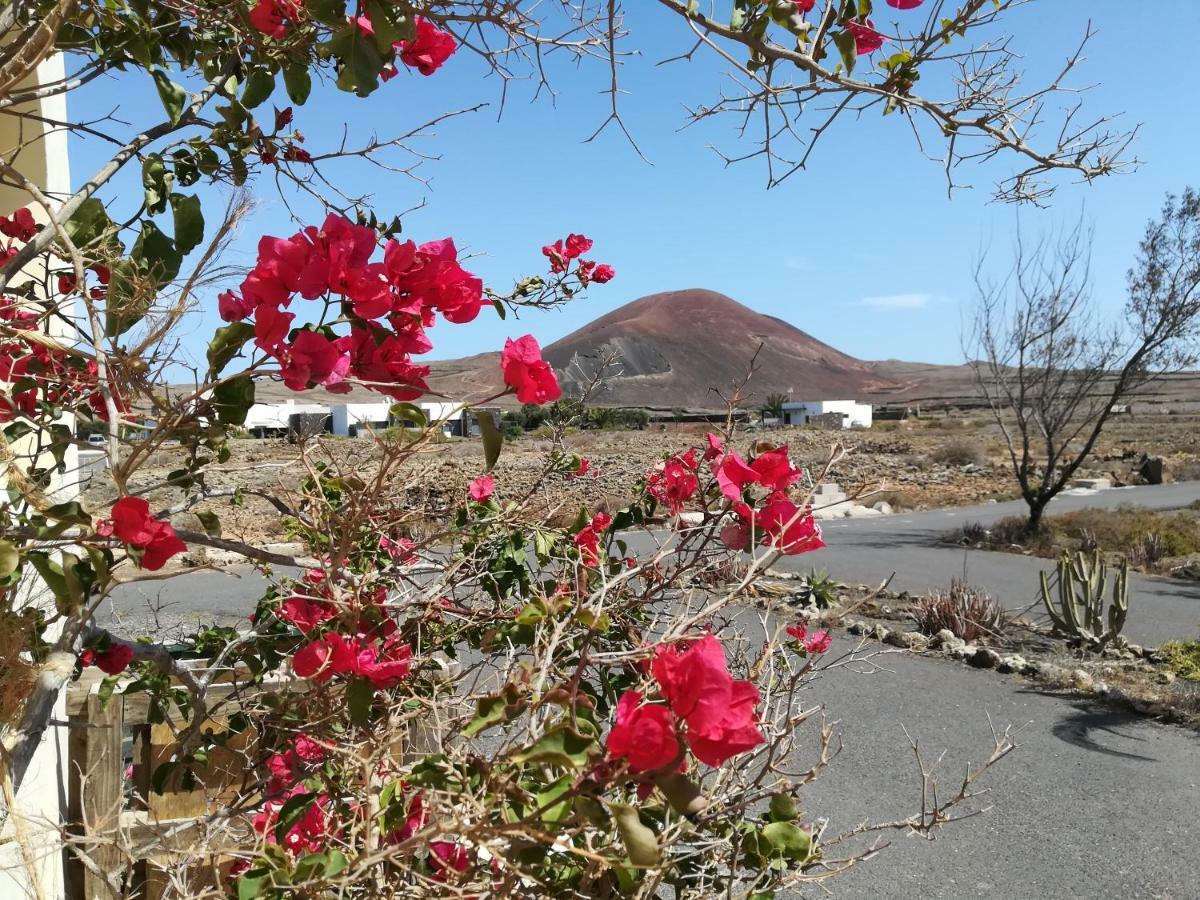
350	418
854	414
264	418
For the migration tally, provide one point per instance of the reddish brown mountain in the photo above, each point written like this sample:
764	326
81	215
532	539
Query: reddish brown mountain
676	350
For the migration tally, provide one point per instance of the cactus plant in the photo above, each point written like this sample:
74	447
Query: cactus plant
1076	609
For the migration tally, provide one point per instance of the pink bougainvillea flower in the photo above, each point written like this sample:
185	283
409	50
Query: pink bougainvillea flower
399	549
588	539
584	467
719	711
674	482
19	225
527	373
644	734
132	524
713	446
557	255
446	858
733	474
576	245
271	17
788	527
306	613
232	307
603	273
804	6
904	4
114	660
866	38
773	470
314	359
429	48
482	487
814	642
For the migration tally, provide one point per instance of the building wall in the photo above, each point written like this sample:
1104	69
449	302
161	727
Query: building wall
41	801
855	414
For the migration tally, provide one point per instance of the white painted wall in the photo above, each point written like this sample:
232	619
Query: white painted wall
855	414
277	415
347	415
41	801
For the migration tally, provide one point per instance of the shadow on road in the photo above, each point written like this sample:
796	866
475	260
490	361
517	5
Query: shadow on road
1090	724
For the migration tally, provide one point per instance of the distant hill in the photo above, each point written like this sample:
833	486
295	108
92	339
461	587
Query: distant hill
676	350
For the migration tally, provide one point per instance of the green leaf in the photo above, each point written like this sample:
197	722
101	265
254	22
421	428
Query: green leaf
250	887
52	574
641	844
189	222
784	807
493	710
156	182
260	84
233	399
173	97
493	439
408	412
211	522
360	60
360	694
848	47
790	840
226	343
560	746
156	253
298	83
555	812
10	559
88	223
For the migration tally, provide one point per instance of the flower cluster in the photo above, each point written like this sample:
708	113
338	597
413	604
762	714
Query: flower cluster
152	541
384	663
428	48
716	710
813	642
530	376
112	660
674	482
572	247
862	29
588	539
389	302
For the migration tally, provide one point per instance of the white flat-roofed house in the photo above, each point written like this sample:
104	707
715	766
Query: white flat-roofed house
351	419
853	414
274	419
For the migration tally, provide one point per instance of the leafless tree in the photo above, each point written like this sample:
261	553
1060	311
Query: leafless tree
1053	370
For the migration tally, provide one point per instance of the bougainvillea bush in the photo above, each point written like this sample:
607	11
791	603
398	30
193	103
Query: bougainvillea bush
471	702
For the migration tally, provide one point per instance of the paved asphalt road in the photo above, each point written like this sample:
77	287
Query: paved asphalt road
1094	803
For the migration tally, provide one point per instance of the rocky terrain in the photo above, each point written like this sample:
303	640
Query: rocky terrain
939	462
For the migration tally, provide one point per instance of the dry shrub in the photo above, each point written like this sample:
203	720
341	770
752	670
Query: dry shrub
1134	530
964	610
959	453
16	675
898	500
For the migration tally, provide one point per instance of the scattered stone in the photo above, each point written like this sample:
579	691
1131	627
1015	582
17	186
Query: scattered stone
884	507
1082	680
1112	653
1100	687
857	627
1014	663
1166	677
946	636
880	633
985	658
1153	469
1136	649
915	641
964	652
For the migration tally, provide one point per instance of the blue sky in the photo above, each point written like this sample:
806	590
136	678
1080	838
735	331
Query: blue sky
864	250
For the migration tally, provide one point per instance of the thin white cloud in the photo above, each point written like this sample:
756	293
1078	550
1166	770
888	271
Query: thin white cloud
902	301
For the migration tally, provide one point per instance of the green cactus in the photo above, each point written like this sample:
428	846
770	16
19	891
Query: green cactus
1078	610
